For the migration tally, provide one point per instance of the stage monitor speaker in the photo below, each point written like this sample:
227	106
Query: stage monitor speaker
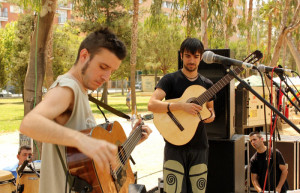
223	125
226	165
137	188
288	151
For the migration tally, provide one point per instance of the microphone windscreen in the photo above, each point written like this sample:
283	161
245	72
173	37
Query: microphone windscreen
208	57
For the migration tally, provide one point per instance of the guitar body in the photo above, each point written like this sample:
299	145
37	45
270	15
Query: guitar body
84	167
169	130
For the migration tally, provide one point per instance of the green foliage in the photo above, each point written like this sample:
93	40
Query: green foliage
98	13
160	40
21	51
66	41
7	35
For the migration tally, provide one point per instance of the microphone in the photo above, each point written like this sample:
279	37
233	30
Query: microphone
22	167
264	68
210	57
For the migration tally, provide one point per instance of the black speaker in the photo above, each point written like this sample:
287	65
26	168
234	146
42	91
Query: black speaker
226	165
223	125
241	113
137	188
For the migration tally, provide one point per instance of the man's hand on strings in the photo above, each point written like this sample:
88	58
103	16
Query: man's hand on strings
146	131
102	152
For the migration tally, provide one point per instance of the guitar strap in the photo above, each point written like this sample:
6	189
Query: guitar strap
76	184
109	108
171	115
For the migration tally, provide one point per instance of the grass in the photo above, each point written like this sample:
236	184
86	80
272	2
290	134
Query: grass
12	109
11	114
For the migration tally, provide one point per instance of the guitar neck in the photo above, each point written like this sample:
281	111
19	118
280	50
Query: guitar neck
132	141
209	93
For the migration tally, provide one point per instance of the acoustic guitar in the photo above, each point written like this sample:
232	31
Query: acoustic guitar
118	180
179	127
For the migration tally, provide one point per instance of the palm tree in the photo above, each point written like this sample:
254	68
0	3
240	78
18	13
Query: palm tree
134	35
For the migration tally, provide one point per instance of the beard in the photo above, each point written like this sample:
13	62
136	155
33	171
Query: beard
190	68
86	65
85	77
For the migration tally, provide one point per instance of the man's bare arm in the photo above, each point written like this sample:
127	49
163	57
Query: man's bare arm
255	182
284	173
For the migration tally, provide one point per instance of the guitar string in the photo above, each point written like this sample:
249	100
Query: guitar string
135	139
121	158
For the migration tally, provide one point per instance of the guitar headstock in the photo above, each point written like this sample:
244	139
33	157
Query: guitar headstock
254	57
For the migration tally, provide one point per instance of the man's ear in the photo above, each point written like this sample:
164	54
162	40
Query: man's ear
84	55
262	139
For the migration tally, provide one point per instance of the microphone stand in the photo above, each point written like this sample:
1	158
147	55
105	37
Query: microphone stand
33	170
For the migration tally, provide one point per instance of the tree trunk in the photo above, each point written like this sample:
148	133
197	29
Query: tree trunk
204	23
227	24
249	28
122	86
104	95
49	58
36	69
294	50
188	30
155	77
286	29
275	56
269	38
134	35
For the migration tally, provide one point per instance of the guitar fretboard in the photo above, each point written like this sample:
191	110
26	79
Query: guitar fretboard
132	141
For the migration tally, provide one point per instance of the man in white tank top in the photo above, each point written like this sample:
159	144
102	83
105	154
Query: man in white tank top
65	110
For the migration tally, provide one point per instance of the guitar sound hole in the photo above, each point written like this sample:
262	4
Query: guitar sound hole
192	100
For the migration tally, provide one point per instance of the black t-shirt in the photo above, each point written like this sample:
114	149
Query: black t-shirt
258	165
174	85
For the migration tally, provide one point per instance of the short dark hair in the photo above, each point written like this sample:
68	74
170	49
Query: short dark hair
27	147
102	38
192	45
255	133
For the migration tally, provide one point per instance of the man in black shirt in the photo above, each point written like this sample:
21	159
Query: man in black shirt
259	165
185	166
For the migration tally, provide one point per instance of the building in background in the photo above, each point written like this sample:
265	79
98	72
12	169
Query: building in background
10	12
